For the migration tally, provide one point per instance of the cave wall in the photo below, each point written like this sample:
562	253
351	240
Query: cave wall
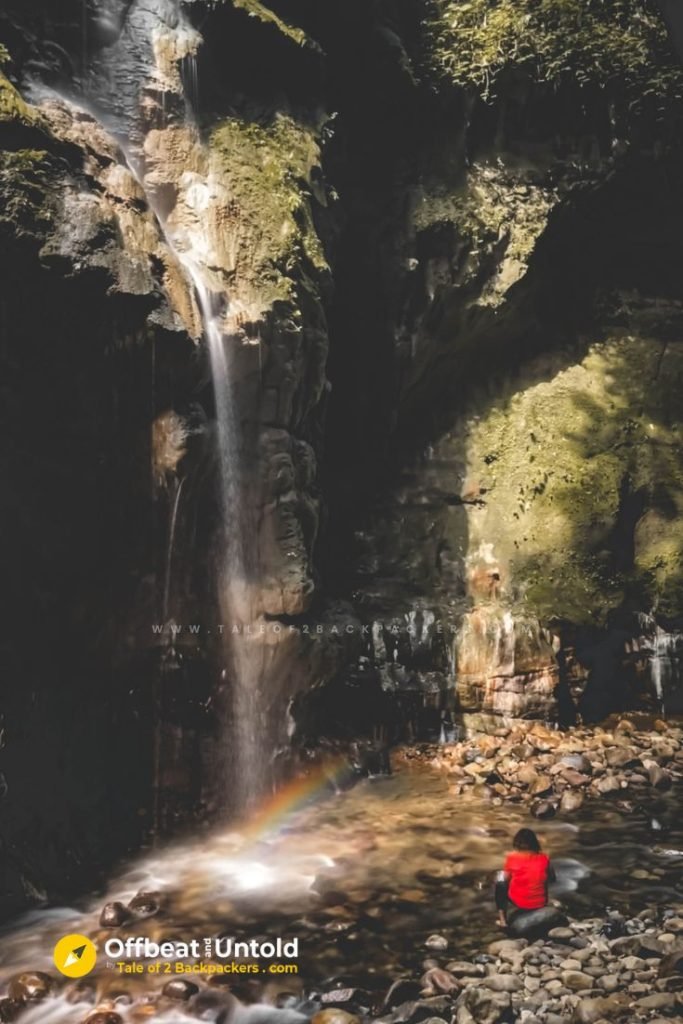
524	297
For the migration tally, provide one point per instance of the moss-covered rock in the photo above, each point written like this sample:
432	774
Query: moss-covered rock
268	169
12	105
579	485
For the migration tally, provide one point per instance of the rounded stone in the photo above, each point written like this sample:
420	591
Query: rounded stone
114	915
103	1017
576	980
571	800
145	904
179	988
30	987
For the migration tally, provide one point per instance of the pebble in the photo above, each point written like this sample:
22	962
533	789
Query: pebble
437	942
579	762
608	784
180	988
505	945
590	1010
657	1001
571	801
114	915
576	980
503	983
104	1017
437	980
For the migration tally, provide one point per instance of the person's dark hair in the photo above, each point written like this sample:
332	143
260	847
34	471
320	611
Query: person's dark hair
526	840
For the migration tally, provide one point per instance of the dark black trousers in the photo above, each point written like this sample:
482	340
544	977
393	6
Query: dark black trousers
503	901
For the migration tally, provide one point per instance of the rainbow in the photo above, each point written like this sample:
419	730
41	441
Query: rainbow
301	792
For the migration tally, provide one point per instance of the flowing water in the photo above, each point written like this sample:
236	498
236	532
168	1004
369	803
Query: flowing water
362	878
159	38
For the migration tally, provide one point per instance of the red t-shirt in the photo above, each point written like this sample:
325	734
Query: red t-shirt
528	872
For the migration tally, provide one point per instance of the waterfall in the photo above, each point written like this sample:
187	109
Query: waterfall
152	59
665	668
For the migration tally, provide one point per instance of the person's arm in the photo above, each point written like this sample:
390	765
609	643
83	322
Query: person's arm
552	877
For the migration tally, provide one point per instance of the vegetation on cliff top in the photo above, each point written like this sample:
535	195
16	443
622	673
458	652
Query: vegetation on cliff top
258	10
475	42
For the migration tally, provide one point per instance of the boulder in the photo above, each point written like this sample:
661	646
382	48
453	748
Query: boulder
29	987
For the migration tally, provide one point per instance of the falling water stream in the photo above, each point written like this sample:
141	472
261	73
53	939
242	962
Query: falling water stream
219	329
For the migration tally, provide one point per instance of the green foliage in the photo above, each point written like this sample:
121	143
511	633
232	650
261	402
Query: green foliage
474	42
256	9
12	106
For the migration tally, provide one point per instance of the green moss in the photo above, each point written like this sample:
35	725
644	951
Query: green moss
268	168
25	191
563	461
258	10
589	41
12	106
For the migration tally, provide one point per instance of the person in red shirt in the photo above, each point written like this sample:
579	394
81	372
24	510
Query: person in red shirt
523	882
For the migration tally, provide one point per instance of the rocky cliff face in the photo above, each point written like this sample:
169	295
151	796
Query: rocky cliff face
524	283
446	260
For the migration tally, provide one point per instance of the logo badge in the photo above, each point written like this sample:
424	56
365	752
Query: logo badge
75	956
